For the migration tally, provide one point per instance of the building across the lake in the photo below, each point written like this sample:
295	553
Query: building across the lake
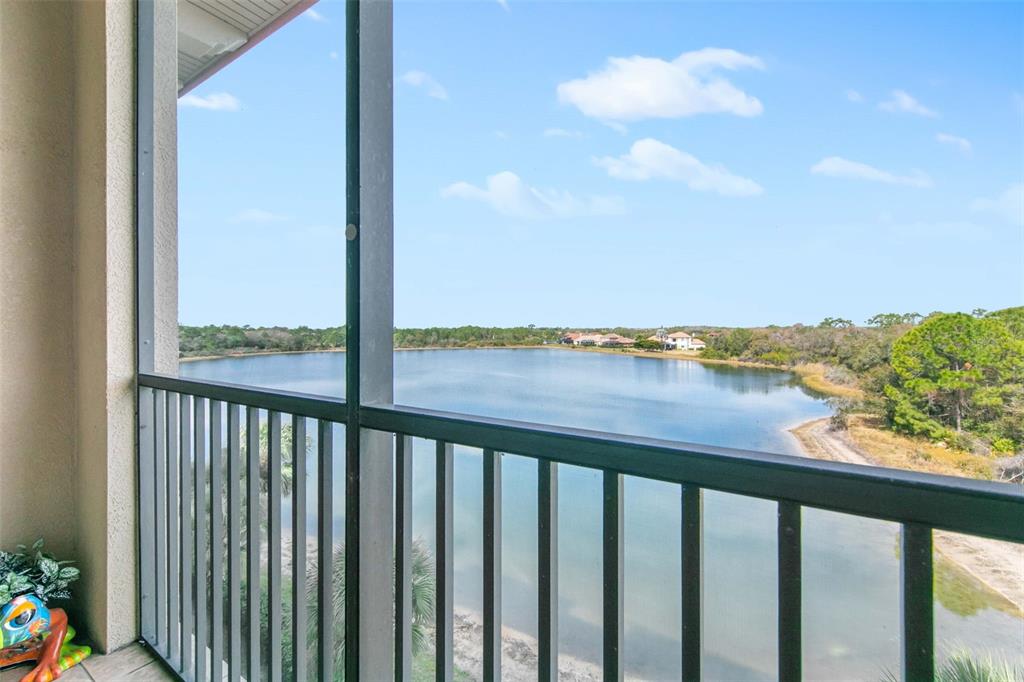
675	341
603	340
614	340
683	341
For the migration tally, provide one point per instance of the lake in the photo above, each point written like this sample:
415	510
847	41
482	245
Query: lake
850	565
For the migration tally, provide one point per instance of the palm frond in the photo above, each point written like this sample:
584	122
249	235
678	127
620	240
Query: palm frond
422	591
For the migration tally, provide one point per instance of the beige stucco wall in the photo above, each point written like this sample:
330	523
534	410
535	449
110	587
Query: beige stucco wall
67	255
38	420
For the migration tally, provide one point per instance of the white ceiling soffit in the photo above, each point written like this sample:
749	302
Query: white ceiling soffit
212	33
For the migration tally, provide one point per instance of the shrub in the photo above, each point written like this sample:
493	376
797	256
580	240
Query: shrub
1003	446
777	357
842	407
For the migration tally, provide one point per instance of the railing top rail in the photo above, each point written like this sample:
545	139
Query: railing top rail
300	404
963	505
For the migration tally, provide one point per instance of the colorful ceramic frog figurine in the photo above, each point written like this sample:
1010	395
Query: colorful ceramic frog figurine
29	629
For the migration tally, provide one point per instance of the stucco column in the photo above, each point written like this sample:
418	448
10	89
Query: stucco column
104	246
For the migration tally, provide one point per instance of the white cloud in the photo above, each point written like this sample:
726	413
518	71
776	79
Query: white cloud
649	159
258	215
507	194
636	88
902	102
838	167
315	16
1008	205
421	79
961	143
501	134
504	4
854	96
333	54
561	132
217	101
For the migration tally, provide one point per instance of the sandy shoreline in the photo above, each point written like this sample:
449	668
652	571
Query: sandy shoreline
998	565
519	653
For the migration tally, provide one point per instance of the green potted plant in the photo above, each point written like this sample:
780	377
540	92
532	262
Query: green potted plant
31	629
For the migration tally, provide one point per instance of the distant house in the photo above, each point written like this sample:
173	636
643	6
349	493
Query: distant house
588	340
683	341
678	341
570	338
615	341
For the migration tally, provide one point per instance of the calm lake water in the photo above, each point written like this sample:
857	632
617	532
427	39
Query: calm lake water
850	565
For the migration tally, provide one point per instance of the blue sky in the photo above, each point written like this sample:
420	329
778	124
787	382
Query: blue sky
626	163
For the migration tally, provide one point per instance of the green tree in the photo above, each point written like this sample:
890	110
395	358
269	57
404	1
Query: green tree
951	369
892	319
734	343
647	344
1013	318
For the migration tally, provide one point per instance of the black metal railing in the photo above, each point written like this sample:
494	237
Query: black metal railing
182	435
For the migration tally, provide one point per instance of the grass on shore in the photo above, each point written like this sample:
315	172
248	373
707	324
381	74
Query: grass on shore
815	377
903	452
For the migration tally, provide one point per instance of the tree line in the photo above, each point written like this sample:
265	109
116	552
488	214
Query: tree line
231	339
957	378
951	377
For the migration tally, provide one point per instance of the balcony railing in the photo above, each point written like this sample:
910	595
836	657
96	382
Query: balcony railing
184	519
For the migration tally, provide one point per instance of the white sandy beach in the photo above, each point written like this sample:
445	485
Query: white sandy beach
998	565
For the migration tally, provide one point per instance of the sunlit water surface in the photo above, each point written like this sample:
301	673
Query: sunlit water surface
850	565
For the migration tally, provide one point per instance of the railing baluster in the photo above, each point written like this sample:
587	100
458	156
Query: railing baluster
185	476
353	447
492	565
147	512
325	551
790	611
693	549
917	610
612	576
161	522
444	611
403	558
216	540
299	605
274	610
547	570
234	542
173	507
199	490
252	538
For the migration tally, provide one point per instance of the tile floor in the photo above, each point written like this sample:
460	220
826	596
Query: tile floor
134	662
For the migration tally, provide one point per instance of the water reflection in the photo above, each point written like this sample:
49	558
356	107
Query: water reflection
677	400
